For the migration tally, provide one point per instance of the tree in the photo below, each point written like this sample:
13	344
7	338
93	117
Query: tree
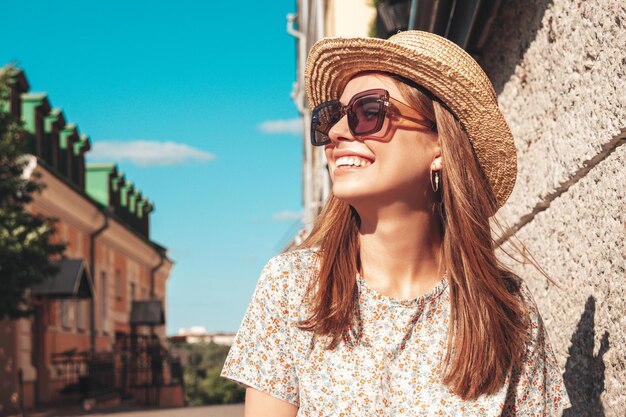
25	244
203	384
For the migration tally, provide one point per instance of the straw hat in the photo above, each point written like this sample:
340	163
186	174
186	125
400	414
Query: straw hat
440	66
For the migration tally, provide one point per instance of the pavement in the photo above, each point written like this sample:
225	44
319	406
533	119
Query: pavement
205	411
232	410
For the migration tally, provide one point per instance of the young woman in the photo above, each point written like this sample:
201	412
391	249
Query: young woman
396	304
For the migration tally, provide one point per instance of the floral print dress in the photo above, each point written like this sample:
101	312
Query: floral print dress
395	367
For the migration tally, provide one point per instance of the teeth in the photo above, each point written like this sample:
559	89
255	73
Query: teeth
352	161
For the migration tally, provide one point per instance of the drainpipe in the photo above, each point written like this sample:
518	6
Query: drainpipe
298	98
92	265
153	273
413	15
291	19
298	91
152	279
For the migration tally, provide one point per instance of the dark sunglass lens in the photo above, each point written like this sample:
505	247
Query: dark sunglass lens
319	138
323	118
368	115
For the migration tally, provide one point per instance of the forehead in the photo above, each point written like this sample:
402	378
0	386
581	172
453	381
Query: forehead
362	82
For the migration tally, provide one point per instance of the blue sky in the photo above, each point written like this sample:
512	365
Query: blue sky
192	99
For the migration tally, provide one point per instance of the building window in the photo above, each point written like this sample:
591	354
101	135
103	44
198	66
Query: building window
80	315
119	288
67	314
131	295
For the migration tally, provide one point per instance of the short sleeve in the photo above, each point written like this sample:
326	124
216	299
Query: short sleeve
260	356
536	385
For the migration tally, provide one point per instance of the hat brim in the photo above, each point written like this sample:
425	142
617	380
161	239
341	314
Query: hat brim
438	65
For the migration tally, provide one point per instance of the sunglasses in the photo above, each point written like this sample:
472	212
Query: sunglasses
367	112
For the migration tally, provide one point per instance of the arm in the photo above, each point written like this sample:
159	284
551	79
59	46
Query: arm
261	355
259	404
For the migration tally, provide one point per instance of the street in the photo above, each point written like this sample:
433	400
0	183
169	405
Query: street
235	410
231	410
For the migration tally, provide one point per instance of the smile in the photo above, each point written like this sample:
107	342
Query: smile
352	161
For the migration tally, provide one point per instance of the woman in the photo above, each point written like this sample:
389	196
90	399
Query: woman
396	304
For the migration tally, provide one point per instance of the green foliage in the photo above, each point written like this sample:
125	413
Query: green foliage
25	247
372	32
203	384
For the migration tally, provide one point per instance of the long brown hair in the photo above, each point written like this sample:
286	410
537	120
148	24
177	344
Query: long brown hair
487	330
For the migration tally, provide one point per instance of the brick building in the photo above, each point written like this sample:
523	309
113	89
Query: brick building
98	329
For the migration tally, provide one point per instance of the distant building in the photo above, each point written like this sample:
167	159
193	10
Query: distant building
98	325
198	334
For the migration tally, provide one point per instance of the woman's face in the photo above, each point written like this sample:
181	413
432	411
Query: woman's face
393	165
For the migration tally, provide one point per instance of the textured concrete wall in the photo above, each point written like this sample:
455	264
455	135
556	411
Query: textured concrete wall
560	71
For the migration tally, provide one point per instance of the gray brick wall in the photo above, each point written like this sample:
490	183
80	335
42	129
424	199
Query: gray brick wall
559	68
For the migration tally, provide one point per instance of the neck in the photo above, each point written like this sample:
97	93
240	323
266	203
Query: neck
400	250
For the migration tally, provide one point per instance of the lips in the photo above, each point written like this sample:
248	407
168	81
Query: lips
353	153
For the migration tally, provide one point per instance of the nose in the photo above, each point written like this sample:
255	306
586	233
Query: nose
340	131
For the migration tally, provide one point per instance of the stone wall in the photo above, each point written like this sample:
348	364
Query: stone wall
559	68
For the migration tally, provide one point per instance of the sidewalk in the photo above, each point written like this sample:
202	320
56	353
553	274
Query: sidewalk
234	410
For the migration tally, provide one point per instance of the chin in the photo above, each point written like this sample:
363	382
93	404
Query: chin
351	192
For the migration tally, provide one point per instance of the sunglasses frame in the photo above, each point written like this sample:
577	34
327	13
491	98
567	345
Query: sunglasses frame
390	107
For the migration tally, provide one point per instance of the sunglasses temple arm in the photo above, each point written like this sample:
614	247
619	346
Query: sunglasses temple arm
405	121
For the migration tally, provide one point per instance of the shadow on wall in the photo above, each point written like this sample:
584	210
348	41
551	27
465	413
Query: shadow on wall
515	27
584	371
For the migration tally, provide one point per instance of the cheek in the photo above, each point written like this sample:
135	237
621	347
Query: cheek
405	163
328	151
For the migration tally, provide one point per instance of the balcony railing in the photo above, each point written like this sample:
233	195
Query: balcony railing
135	362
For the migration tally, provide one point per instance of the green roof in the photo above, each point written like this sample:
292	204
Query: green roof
83	145
68	131
104	184
30	101
126	190
97	182
53	117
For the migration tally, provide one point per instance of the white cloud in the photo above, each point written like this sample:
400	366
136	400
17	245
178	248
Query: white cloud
148	152
286	215
273	127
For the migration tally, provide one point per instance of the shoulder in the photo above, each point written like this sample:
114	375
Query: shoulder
536	381
538	346
525	294
296	261
290	272
535	331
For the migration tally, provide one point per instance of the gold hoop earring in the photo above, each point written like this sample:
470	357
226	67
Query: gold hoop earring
434	179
